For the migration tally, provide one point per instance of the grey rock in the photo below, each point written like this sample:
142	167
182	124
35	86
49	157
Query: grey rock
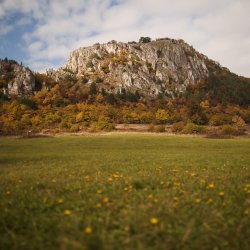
161	66
18	79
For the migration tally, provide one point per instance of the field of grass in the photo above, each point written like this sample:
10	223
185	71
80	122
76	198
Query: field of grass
124	192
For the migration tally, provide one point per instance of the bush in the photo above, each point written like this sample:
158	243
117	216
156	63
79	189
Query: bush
192	128
220	119
28	102
228	130
74	128
177	127
151	128
89	64
156	128
245	115
238	121
160	129
103	123
145	39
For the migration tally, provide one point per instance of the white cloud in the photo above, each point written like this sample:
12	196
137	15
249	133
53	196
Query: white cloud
219	29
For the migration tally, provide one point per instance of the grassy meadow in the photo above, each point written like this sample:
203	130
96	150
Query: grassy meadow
124	192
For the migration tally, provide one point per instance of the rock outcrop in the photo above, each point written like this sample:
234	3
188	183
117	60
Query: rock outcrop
16	79
163	66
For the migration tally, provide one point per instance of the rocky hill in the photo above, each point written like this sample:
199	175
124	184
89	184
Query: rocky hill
164	66
16	79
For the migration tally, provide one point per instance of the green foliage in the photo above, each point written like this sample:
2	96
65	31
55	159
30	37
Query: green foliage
70	78
128	96
31	103
3	83
220	119
145	39
192	128
105	68
161	116
89	64
74	128
43	79
93	89
229	130
84	80
177	127
225	87
104	123
110	99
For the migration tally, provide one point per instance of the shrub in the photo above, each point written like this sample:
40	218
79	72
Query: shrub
28	102
245	114
151	128
161	116
220	119
192	128
74	128
103	123
145	39
238	121
89	64
156	128
160	129
228	130
84	80
177	127
93	89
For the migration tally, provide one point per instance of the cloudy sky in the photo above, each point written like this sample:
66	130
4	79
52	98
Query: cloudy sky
41	33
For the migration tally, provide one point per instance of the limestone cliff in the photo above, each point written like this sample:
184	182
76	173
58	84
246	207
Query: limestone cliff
162	66
16	79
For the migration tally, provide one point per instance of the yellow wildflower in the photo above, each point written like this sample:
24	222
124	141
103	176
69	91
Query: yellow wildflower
98	205
88	230
198	200
67	212
221	194
150	196
211	186
60	201
105	199
154	221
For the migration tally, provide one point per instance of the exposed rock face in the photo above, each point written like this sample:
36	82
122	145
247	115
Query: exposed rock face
162	66
16	79
165	66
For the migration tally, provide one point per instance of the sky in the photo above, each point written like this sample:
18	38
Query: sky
42	33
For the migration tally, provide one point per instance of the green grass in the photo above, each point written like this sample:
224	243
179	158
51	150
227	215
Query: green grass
116	184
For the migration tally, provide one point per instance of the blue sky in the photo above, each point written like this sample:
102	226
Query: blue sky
42	33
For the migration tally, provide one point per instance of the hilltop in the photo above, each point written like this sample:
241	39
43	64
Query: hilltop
164	81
